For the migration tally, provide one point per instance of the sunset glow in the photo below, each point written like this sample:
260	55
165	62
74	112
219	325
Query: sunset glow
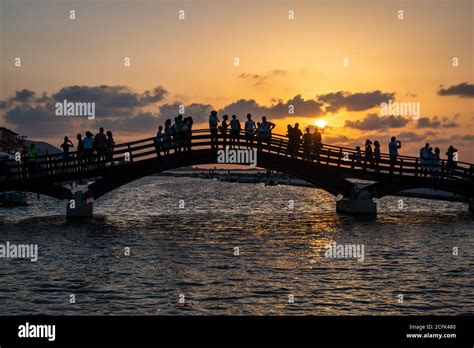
321	123
292	69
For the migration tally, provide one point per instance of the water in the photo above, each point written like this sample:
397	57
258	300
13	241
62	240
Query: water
190	251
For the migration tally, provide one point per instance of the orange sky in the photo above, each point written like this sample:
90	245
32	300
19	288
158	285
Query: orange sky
194	58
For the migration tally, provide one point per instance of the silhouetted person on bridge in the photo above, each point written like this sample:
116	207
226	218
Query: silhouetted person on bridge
267	128
178	132
452	159
80	145
307	144
259	132
393	147
249	131
317	142
234	131
80	152
188	123
213	127
223	129
377	155
88	148
297	138
369	155
436	163
100	142
424	159
430	160
167	137
110	143
159	140
290	149
66	145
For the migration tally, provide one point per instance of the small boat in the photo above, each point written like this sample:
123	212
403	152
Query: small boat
227	178
13	199
271	182
248	179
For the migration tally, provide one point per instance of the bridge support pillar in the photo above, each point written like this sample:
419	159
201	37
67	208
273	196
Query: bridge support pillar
79	206
471	205
361	203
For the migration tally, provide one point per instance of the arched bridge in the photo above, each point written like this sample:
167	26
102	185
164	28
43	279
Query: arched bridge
329	168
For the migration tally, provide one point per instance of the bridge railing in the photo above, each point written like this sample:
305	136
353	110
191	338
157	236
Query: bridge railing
121	154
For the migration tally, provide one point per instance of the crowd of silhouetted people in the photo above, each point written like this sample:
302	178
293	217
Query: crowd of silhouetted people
90	149
177	135
229	131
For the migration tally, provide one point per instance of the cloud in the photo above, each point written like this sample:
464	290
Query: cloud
435	122
373	121
37	120
279	109
155	96
116	108
463	90
354	101
22	95
110	100
199	112
260	79
408	136
336	139
141	122
467	137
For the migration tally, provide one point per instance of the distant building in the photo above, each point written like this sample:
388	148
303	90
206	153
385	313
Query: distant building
9	140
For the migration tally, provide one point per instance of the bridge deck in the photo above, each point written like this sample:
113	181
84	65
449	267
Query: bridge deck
334	160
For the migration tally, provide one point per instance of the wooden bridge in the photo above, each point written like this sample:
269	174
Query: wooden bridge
328	169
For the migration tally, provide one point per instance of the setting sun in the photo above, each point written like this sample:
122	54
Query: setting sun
321	123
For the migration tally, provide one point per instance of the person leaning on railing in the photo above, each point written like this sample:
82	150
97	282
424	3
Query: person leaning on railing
267	128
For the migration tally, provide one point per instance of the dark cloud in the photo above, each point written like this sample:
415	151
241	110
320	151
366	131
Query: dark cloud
279	109
22	95
354	101
408	136
199	112
466	137
37	120
116	108
139	123
426	122
373	122
463	90
260	79
154	96
435	122
110	100
336	139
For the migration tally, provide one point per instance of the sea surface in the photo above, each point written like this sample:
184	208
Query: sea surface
184	235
